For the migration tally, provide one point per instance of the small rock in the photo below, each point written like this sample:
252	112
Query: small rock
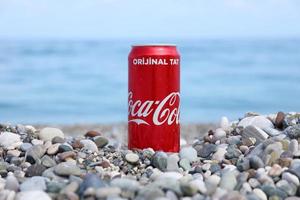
185	164
108	192
101	141
125	184
160	160
256	162
206	150
25	146
64	148
30	195
91	181
66	169
172	163
48	161
35	153
293	131
57	139
290	178
200	185
65	155
37	142
243	164
12	183
275	170
255	132
293	146
260	194
34	183
9	140
228	180
220	133
279	121
132	158
35	170
258	121
224	123
151	193
189	153
92	134
271	131
89	145
290	189
53	149
48	133
188	189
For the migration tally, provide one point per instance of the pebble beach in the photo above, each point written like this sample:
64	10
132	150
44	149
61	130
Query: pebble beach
256	157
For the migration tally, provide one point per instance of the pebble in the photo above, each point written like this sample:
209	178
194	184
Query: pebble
53	149
279	121
172	162
48	133
260	194
271	131
224	123
185	164
200	185
35	153
290	178
30	195
160	160
125	184
220	133
206	150
106	192
25	146
34	183
228	180
293	131
293	146
9	140
66	169
257	121
92	134
89	145
48	161
132	158
12	183
255	132
243	164
256	162
91	181
35	170
188	153
57	139
101	141
37	142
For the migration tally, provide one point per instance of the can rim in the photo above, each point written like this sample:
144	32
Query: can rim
154	44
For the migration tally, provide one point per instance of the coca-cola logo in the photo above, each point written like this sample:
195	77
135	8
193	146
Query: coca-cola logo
160	112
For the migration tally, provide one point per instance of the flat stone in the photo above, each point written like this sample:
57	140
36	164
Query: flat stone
30	195
9	140
66	169
35	170
48	133
189	153
160	160
254	132
89	145
34	183
100	141
258	121
132	158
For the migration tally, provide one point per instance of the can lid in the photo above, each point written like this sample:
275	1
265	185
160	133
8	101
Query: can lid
153	44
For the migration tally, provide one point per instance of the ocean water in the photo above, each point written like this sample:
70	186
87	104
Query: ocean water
66	82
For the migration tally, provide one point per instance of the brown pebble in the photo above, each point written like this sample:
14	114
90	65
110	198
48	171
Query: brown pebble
279	120
252	173
66	155
104	164
77	144
92	134
284	162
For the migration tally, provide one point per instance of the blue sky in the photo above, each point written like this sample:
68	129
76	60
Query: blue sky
96	19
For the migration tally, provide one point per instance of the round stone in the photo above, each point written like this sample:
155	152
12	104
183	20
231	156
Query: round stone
66	169
206	150
260	194
89	145
9	140
48	133
188	153
290	178
160	160
101	141
92	134
53	149
258	121
132	158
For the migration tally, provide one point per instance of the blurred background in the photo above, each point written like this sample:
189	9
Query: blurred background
65	61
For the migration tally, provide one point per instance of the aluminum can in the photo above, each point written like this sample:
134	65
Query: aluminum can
154	97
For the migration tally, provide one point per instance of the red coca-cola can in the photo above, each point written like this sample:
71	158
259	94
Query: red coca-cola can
154	97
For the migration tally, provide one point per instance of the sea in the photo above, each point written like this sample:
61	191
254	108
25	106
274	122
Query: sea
85	81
